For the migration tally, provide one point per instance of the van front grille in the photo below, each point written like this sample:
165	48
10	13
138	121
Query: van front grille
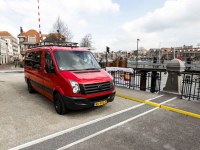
88	89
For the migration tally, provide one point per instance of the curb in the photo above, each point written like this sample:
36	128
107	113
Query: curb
161	106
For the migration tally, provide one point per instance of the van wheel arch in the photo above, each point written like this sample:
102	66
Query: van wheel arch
59	103
54	93
30	88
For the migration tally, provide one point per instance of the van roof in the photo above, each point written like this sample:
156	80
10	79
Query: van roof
55	45
54	48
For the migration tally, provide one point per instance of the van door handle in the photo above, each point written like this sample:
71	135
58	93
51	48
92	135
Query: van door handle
44	73
40	72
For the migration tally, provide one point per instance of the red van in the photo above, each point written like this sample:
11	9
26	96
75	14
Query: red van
71	77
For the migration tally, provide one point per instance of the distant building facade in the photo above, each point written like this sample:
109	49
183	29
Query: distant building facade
3	51
12	43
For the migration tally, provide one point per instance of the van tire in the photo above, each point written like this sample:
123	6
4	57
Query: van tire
30	88
59	104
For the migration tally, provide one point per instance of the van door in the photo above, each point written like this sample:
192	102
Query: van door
36	73
49	79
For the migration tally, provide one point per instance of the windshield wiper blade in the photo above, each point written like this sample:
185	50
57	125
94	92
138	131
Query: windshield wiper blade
91	68
72	70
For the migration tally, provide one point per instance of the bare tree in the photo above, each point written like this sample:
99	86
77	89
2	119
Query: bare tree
86	41
60	28
69	35
51	38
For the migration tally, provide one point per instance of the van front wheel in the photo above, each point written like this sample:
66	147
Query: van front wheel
59	104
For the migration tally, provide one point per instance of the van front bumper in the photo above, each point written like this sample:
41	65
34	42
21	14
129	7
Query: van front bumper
76	103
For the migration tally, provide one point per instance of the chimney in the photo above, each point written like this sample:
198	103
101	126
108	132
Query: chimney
21	30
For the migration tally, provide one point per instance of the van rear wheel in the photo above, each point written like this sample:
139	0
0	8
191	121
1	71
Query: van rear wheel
30	88
59	104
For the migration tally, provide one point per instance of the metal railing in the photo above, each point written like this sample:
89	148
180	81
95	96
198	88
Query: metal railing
191	85
193	66
141	79
147	64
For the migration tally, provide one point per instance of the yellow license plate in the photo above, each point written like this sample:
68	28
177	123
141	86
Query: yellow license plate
100	103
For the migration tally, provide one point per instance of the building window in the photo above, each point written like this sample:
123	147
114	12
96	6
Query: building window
21	39
31	39
21	48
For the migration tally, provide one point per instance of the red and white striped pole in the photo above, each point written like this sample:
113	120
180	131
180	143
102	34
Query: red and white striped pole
66	33
39	21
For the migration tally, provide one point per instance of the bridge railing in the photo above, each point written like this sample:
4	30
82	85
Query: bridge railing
140	79
190	85
146	64
193	66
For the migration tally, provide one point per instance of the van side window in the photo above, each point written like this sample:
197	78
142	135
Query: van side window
28	60
36	60
48	59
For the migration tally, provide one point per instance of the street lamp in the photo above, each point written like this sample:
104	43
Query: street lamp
137	53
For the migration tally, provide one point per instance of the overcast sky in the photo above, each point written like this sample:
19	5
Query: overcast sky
114	23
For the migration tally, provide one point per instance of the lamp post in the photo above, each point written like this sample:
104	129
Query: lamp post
174	46
107	51
137	53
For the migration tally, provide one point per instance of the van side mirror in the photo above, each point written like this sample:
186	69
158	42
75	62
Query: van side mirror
49	69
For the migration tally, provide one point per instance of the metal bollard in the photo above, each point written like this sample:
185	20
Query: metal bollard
143	80
153	81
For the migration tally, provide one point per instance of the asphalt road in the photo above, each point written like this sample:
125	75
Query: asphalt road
26	117
158	130
122	124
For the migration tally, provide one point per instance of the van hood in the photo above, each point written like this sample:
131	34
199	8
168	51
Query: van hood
87	76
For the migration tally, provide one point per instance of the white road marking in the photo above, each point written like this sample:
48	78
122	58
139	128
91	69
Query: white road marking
76	127
114	126
154	98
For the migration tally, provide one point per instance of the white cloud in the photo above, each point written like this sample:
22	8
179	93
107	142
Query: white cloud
179	18
25	12
176	17
174	14
83	23
3	5
90	6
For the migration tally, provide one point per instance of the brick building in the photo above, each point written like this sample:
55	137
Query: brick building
26	39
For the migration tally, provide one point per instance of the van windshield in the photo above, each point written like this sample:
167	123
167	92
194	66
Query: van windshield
75	60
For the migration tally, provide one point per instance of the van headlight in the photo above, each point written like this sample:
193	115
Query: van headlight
112	82
75	87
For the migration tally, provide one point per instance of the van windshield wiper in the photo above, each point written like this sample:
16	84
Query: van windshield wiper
91	68
72	70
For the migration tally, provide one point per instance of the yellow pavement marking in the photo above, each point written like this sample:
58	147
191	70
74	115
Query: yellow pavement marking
161	106
169	108
189	114
138	100
153	104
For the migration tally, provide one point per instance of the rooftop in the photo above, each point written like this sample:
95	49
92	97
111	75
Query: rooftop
5	33
56	34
